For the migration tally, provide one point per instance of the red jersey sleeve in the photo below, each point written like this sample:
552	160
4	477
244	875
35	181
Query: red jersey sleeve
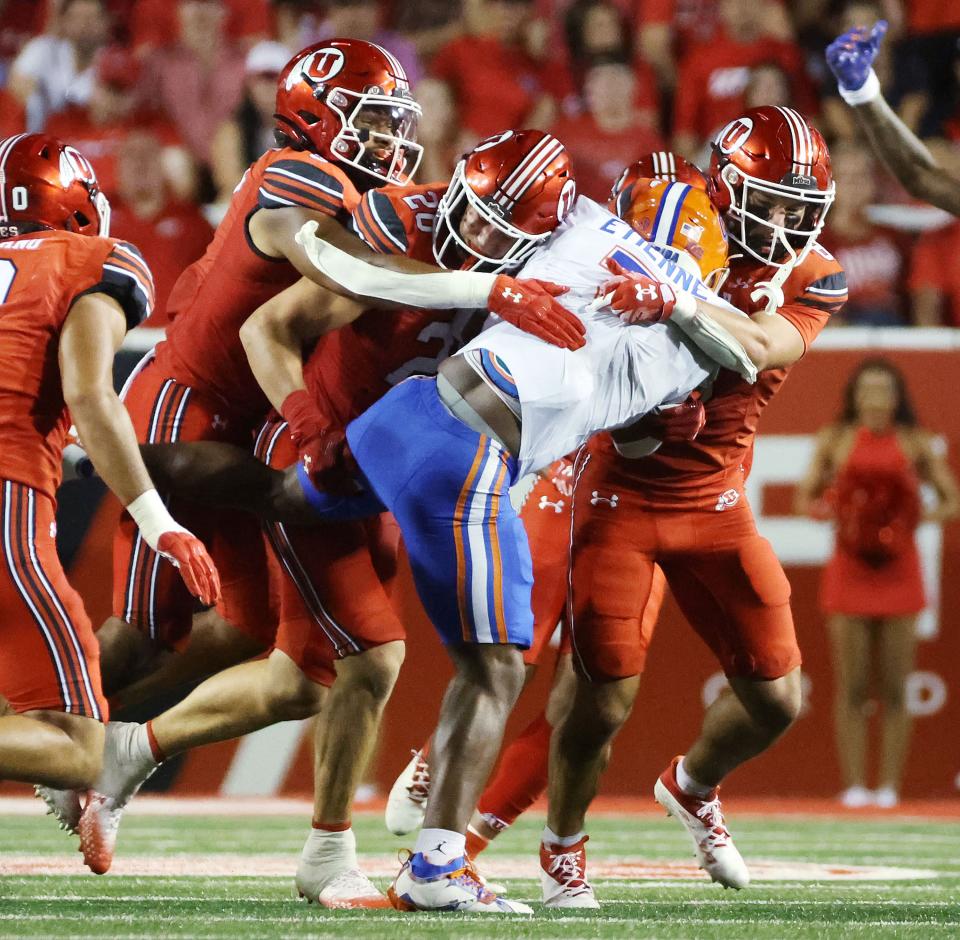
398	220
819	291
126	278
301	181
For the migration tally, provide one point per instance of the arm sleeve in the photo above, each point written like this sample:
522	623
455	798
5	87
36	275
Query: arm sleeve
127	279
300	183
378	222
812	309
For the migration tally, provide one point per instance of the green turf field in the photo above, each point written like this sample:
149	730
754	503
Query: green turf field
925	904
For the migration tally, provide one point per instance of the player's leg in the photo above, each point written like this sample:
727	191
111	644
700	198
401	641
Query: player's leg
447	486
521	774
615	598
897	638
850	645
732	590
50	724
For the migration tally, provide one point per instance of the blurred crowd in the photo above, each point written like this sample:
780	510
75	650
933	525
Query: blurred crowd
172	99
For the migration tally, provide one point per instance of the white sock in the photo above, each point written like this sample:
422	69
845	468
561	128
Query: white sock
441	846
549	837
325	848
138	747
690	786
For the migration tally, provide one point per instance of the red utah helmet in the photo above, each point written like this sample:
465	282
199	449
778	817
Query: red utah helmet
349	100
513	190
656	165
44	182
772	159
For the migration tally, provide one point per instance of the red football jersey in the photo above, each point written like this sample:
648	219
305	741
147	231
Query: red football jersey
41	274
216	294
709	473
354	366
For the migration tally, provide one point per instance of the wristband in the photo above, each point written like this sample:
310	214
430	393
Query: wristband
300	412
447	289
684	307
866	93
152	518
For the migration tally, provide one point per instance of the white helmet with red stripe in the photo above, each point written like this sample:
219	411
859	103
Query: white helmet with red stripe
505	198
770	176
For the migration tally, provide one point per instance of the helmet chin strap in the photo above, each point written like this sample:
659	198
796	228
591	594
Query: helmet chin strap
772	290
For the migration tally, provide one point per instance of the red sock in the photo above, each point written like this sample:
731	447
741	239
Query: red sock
331	826
521	774
476	843
155	748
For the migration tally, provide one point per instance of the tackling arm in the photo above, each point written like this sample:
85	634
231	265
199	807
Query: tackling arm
92	333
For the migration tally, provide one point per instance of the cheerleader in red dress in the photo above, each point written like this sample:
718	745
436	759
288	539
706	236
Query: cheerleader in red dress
866	477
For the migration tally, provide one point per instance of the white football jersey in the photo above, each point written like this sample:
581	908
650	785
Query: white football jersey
623	371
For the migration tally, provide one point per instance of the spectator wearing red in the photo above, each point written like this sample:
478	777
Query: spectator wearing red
56	68
865	476
99	128
198	81
713	76
248	134
154	23
439	131
20	21
611	134
361	19
668	29
170	234
872	257
599	29
498	80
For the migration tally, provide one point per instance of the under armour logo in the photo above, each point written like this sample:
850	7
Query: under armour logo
727	499
646	293
513	295
611	501
557	506
219	423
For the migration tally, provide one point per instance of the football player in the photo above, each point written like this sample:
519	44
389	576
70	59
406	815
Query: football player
345	121
850	57
68	294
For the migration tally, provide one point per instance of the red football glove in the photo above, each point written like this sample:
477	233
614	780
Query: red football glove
187	554
636	297
529	306
675	424
322	449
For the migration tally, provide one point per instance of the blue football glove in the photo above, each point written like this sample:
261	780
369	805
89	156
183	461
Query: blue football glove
851	55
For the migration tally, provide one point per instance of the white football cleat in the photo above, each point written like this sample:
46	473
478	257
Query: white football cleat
563	877
703	820
124	771
63	805
407	801
421	886
350	890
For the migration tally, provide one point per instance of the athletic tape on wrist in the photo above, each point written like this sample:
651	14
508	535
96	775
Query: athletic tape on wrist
152	518
866	93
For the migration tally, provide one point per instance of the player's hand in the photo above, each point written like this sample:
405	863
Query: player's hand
322	447
851	55
530	306
675	423
189	556
636	298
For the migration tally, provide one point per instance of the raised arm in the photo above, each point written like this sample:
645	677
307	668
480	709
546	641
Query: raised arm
91	335
851	57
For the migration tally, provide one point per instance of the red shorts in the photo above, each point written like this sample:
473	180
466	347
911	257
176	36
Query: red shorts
725	577
332	581
546	518
147	591
49	657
